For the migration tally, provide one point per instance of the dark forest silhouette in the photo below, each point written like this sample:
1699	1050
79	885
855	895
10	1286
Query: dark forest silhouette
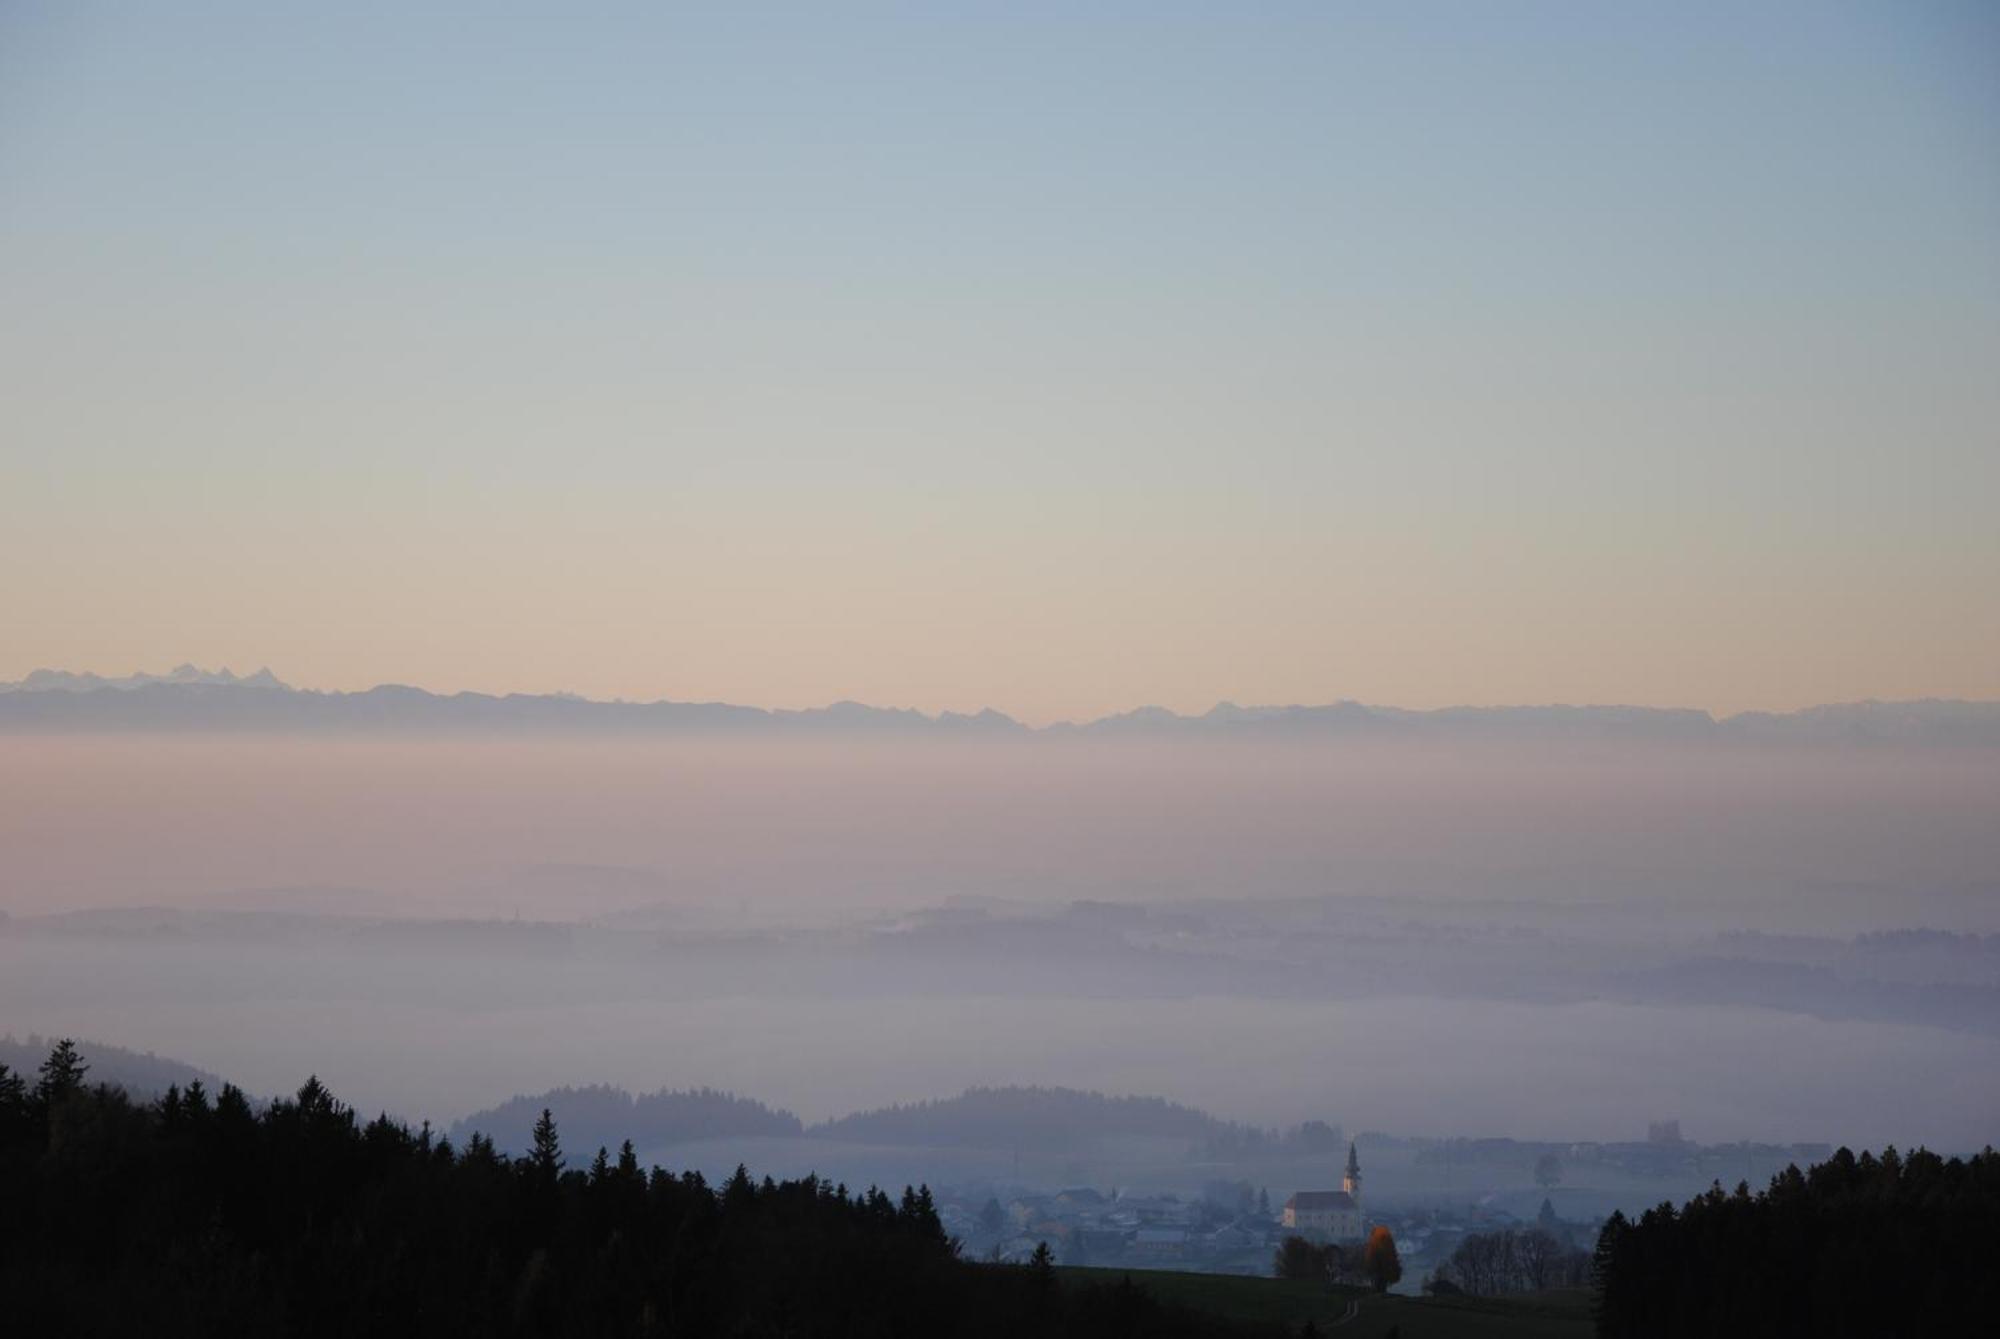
203	1214
1854	1246
200	1213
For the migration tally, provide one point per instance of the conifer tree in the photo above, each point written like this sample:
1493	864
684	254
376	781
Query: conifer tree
1042	1265
314	1102
546	1157
232	1108
739	1192
13	1105
61	1074
1609	1301
479	1151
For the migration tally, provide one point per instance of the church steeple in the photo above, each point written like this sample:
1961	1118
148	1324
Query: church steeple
1351	1183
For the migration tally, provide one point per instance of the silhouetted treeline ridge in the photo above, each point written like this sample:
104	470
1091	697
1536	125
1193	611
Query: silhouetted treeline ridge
1491	1264
192	699
601	1114
1023	1117
1862	1245
140	1073
196	1214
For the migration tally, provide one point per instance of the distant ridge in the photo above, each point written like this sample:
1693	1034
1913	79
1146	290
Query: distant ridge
1022	1117
604	1115
191	699
1013	1117
63	681
140	1073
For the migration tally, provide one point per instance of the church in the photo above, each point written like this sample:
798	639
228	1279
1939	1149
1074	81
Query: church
1332	1215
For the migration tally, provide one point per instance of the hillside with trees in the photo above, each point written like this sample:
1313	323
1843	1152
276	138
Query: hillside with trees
1023	1118
197	1213
601	1114
140	1073
1855	1246
1495	1264
1017	1118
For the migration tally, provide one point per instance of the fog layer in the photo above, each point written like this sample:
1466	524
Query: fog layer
1525	938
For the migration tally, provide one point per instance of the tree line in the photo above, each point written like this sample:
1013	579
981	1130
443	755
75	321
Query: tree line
1373	1262
603	1114
1019	1117
203	1213
1234	1142
1858	1245
1492	1264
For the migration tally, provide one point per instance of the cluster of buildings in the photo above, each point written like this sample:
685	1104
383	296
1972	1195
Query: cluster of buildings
1084	1226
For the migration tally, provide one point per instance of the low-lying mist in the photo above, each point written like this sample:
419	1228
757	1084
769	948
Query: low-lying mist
1528	938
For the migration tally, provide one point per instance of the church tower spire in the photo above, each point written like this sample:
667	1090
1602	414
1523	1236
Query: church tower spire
1351	1182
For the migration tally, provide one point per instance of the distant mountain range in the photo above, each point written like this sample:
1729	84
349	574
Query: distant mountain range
192	699
64	681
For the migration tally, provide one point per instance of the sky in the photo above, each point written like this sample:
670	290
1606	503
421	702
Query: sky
1044	357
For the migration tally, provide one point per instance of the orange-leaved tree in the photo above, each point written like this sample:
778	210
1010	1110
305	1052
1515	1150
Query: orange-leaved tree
1380	1261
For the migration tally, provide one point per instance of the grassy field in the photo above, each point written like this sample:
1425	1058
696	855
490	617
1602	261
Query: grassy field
1544	1316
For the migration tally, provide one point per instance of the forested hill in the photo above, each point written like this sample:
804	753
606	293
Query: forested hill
1857	1245
140	1073
600	1115
197	1214
1023	1118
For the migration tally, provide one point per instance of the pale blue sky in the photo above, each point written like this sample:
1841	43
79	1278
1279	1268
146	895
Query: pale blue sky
952	355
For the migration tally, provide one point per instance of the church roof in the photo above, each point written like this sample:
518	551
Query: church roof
1318	1201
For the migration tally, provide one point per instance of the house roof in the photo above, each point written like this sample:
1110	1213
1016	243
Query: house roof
1318	1201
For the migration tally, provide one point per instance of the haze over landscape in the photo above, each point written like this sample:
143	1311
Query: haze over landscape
1531	922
